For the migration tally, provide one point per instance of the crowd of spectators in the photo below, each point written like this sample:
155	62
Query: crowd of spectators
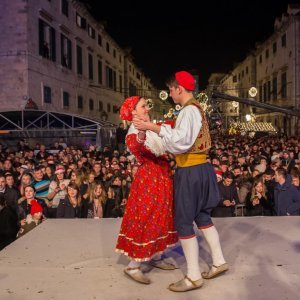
257	177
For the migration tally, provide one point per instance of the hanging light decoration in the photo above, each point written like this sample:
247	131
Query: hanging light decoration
163	95
252	91
150	103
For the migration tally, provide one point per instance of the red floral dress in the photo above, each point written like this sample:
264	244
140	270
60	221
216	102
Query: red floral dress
148	227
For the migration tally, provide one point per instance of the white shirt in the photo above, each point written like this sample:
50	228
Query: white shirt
182	137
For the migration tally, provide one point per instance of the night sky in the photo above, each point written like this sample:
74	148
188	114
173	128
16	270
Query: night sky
166	37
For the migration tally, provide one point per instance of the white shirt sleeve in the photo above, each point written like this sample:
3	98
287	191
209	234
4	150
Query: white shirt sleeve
182	137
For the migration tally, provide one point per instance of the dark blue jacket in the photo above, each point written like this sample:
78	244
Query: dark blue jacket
287	199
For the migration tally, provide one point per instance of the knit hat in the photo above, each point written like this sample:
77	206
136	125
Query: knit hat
219	174
128	106
59	169
35	207
186	80
50	161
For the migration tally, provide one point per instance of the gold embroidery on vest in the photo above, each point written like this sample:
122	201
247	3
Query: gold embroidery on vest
203	140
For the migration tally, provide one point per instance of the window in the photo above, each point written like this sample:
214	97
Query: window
120	83
283	85
260	59
79	59
80	21
283	40
265	92
109	77
274	87
115	109
243	73
79	102
234	79
267	53
274	48
65	7
91	71
120	59
66	99
114	53
91	32
138	75
47	94
99	71
247	70
260	93
91	104
269	91
46	41
114	80
108	107
107	47
66	52
99	40
100	106
132	89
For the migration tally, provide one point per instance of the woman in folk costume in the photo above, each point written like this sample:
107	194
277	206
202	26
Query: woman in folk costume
148	227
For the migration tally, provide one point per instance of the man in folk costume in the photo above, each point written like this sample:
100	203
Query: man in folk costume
196	189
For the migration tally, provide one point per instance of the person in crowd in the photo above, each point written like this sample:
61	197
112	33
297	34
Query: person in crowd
147	227
11	195
97	171
120	137
33	219
77	177
70	207
57	189
286	195
228	197
10	181
42	154
25	180
287	162
50	172
257	200
24	203
189	141
296	179
9	225
41	185
115	205
93	206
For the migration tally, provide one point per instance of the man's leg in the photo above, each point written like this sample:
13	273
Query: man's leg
219	265
211	236
191	252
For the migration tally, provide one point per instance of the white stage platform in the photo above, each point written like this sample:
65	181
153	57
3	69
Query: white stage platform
75	259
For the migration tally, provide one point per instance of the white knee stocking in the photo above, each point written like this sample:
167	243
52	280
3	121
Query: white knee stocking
191	252
212	238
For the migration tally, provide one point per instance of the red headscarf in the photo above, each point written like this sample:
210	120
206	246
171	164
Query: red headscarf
127	107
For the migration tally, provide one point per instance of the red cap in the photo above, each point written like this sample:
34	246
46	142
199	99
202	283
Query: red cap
35	207
219	172
186	80
127	107
59	169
